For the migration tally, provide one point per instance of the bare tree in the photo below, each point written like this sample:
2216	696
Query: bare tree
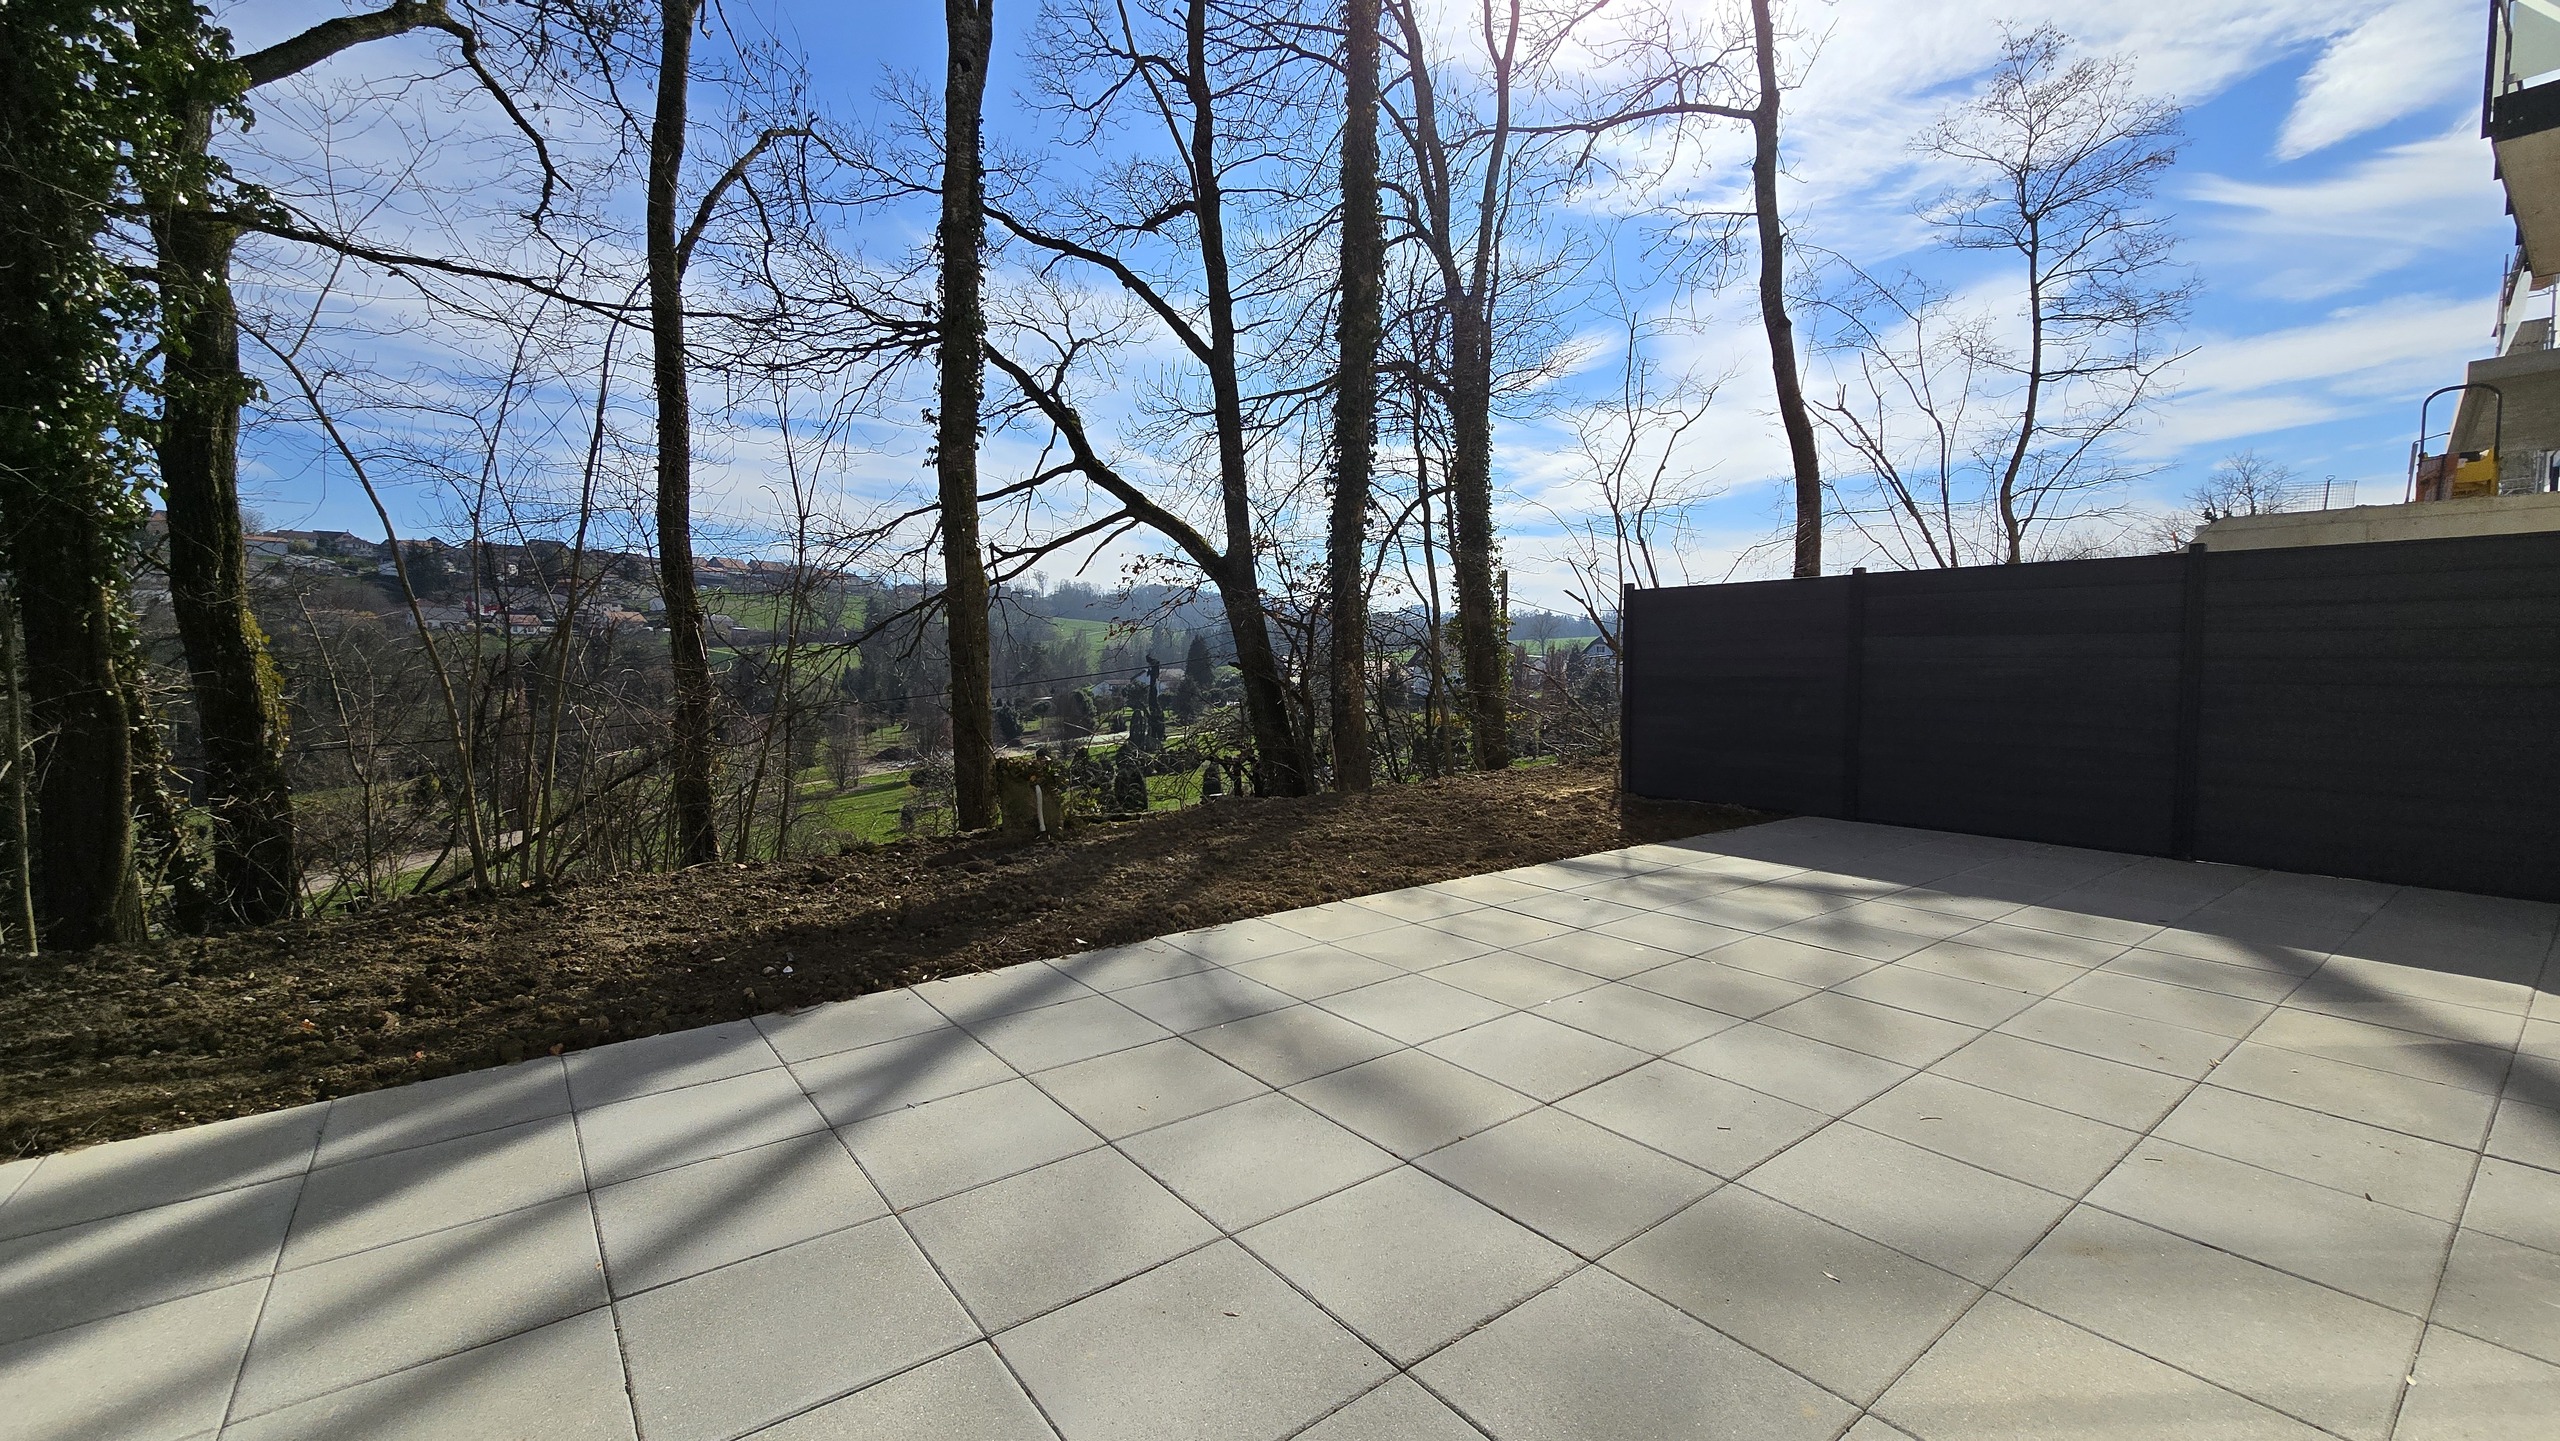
1637	490
2063	152
970	25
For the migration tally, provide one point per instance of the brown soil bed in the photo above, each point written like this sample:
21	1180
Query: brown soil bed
119	1042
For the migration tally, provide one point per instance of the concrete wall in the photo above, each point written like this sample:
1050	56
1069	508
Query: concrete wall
2443	519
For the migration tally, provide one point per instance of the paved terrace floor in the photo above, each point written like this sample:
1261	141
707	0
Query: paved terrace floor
1801	1131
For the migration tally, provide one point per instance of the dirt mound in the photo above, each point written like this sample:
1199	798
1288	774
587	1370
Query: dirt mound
118	1042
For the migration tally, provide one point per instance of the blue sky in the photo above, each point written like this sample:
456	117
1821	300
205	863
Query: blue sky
2335	201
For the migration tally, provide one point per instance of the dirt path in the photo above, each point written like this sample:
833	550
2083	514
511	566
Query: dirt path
116	1043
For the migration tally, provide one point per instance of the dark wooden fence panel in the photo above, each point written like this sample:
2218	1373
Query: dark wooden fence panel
2384	711
2034	702
1761	667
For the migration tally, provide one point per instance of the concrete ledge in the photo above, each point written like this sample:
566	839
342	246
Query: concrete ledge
2355	525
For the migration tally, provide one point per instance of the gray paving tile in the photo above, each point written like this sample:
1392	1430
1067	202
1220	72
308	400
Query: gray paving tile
1707	1121
1338	921
1211	1347
1630	1016
2178	1005
1418	903
662	1063
737	1348
1238	941
981	995
862	1021
1948	998
400	1194
1419	948
1769	906
2065	1080
1941	1210
2247	982
1068	1031
967	1395
2015	1138
441	1109
2516	1203
1827	1302
1282	1048
1597	1357
2444	1019
157	1374
1033	1242
1797	1068
2392	1167
1498	928
2437	981
1408	1261
14	1174
384	1310
1130	1091
2381	1048
1255	1159
2466	1390
1535	1056
1708	982
1412	1008
2449	1114
1119	967
2502	1293
563	1380
2009	1372
1316	971
1514	979
1580	912
2361	1247
2115	1036
98	1268
1398	1411
1874	1428
1209	998
2317	1354
929	1151
2035	934
893	1075
1409	1102
2528	1133
1877	930
651	1133
1806	965
124	1176
1950	896
1669	936
1888	1032
1579	1185
2236	951
684	1222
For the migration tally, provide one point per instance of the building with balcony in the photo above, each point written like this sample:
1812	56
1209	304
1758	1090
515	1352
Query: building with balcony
2504	438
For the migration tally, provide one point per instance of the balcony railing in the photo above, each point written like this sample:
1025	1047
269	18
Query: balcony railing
2521	91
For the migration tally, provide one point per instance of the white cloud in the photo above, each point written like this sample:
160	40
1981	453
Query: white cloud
2330	235
2398	62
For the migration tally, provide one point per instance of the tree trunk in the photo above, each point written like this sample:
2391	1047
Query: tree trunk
1792	415
1480	624
239	700
696	826
65	567
1355	400
13	784
1281	751
971	27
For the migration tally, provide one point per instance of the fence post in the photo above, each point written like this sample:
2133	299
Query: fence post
2182	801
1626	688
1853	694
